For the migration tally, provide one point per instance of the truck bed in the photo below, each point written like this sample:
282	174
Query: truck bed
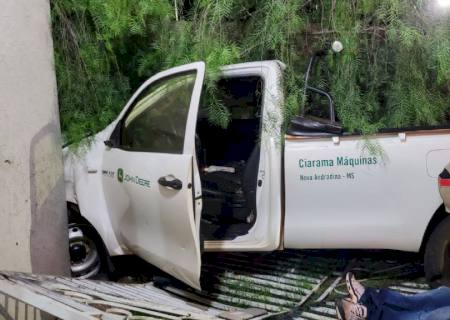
377	192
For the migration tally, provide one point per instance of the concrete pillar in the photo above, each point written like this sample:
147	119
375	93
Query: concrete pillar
33	221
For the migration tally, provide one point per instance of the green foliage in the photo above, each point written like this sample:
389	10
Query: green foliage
394	70
98	45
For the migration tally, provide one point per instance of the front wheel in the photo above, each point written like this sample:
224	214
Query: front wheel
85	260
437	255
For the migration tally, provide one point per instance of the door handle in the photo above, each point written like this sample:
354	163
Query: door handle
170	182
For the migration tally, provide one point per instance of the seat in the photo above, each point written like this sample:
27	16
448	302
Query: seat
231	197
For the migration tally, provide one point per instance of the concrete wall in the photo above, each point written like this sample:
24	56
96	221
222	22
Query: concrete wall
33	232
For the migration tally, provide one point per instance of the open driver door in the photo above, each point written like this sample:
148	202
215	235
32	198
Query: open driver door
151	150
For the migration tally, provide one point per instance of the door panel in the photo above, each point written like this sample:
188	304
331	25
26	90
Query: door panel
149	186
158	225
338	195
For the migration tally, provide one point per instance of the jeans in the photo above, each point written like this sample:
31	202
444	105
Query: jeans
391	305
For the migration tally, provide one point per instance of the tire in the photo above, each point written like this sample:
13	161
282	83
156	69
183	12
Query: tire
85	259
437	255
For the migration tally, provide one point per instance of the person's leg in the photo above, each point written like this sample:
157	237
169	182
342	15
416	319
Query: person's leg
376	310
438	314
429	300
374	302
386	313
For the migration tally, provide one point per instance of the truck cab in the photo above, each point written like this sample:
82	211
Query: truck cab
165	183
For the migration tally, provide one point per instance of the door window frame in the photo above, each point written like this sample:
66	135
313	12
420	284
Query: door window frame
191	120
142	96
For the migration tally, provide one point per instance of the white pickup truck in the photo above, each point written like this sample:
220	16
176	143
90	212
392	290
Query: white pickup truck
165	184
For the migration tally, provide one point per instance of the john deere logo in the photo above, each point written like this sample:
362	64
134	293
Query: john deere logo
127	178
120	174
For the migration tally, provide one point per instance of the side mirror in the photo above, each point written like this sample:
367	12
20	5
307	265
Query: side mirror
336	47
109	143
114	139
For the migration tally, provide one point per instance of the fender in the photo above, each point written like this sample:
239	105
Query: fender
84	187
439	215
443	182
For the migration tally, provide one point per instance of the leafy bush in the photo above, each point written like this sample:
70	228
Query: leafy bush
394	70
